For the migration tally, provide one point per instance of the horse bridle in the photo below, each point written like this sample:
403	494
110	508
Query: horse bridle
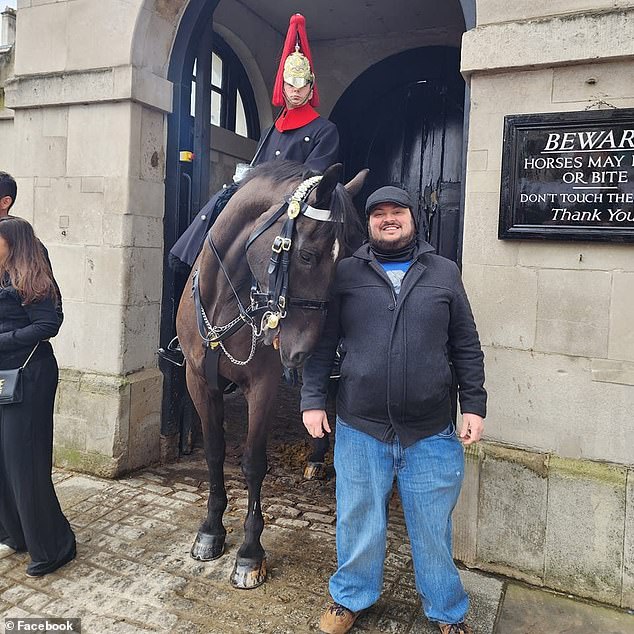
268	307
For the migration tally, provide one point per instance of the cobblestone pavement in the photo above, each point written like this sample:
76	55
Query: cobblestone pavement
133	572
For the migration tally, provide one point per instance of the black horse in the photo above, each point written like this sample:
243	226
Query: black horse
260	289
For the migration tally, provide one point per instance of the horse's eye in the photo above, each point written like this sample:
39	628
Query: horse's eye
306	256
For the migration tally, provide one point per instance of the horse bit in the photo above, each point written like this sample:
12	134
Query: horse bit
269	307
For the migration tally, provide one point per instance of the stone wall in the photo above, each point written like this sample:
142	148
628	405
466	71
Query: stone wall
554	482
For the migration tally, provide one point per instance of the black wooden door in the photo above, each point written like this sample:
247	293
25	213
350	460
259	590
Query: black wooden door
404	120
186	190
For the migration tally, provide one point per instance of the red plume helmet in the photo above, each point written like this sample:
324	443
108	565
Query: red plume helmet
296	40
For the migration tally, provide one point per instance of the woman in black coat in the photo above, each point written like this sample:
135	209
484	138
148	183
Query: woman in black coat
30	515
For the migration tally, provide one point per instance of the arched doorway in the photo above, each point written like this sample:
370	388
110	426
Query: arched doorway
403	119
187	184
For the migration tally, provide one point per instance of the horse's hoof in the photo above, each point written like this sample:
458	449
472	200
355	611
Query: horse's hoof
248	573
315	471
207	547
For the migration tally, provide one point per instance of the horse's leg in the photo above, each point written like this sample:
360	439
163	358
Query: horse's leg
250	568
210	540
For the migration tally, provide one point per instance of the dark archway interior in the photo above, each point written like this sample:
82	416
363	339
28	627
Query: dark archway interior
403	119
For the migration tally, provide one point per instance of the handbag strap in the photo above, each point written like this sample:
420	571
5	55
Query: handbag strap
29	357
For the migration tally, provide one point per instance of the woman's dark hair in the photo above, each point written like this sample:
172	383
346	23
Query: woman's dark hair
26	267
8	187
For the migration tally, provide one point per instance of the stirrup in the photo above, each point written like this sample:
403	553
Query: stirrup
173	353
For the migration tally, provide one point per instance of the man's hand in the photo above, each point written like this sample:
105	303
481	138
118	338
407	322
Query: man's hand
316	422
472	428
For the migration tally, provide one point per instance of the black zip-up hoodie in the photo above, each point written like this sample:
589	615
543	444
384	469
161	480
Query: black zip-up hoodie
396	376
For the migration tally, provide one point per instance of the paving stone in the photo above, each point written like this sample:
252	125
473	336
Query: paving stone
77	488
116	515
182	486
526	611
277	510
116	545
83	507
16	594
187	496
290	523
392	626
35	602
325	528
160	490
398	561
485	593
100	525
15	613
312	508
319	517
125	532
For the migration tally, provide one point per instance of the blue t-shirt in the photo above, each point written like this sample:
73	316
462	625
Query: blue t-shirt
396	272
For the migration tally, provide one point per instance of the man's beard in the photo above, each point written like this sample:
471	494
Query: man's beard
389	246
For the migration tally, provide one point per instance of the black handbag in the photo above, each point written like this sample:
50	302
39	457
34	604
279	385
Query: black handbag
11	383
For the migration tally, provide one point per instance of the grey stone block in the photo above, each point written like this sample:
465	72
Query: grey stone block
627	598
512	515
465	515
585	528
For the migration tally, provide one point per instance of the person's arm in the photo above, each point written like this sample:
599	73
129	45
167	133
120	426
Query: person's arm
44	325
316	375
326	150
468	360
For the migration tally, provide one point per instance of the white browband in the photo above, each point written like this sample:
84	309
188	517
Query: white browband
323	215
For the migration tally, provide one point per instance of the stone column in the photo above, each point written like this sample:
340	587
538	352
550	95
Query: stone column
89	161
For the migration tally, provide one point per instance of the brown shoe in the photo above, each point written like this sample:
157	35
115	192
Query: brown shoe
337	619
455	628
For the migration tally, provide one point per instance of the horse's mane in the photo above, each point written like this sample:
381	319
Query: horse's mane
347	225
279	171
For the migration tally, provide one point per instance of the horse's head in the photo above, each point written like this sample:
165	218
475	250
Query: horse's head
319	236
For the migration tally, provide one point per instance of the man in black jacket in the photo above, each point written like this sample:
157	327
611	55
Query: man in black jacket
403	319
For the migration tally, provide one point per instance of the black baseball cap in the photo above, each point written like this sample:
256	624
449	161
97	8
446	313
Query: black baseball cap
388	194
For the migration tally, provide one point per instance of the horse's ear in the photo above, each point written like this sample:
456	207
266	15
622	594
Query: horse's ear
355	185
327	185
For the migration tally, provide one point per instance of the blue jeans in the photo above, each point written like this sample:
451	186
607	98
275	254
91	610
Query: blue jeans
429	475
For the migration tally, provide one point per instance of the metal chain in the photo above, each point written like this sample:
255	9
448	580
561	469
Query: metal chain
217	330
237	361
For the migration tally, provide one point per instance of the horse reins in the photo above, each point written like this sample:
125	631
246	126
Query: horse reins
267	307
